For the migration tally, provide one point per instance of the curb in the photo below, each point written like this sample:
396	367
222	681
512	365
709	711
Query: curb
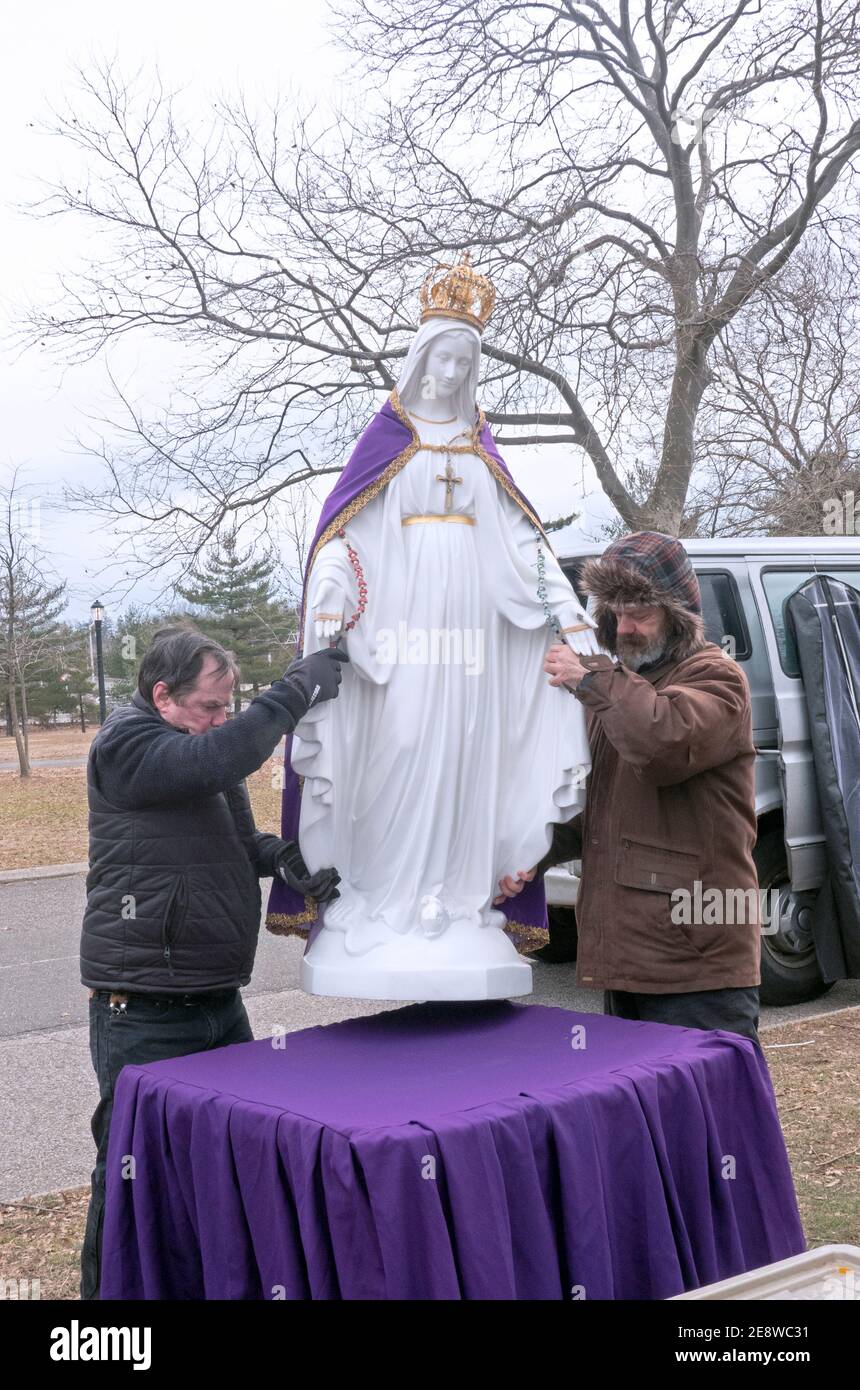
809	1018
46	871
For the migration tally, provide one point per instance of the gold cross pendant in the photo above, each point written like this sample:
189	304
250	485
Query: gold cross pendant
450	482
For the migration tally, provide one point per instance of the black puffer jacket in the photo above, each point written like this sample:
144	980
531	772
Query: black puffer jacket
173	893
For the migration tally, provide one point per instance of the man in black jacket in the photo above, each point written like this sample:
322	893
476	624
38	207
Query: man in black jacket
173	895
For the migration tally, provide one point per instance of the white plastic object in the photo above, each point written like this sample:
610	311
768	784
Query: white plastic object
828	1273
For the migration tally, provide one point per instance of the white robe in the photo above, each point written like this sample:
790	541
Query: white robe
425	781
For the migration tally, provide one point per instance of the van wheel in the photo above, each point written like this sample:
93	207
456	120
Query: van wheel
789	967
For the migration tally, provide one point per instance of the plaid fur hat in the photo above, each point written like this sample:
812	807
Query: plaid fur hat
652	569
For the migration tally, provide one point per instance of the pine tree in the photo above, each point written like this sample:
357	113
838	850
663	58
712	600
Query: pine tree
29	609
77	686
238	605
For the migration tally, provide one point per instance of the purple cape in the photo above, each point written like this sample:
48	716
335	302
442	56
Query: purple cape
386	446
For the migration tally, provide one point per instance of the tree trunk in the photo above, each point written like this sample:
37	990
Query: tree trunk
25	722
665	506
23	758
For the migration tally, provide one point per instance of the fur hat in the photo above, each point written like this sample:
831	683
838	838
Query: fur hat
647	568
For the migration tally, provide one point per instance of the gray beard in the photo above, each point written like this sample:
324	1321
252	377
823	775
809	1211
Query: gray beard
636	658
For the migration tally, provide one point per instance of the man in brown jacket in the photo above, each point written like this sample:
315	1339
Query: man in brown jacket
668	907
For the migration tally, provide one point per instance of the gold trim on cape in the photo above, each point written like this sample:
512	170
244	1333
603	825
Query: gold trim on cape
291	924
527	939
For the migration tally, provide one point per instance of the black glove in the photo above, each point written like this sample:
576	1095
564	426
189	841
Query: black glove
294	871
310	679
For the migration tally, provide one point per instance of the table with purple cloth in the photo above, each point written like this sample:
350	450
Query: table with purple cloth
487	1151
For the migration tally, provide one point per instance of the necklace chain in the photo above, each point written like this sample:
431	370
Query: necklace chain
424	420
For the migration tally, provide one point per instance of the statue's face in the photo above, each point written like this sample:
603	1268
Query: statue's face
448	362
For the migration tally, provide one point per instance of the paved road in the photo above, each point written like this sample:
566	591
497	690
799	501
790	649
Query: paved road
45	762
47	1086
82	762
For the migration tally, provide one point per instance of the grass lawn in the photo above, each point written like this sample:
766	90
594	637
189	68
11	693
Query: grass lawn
43	817
65	742
813	1064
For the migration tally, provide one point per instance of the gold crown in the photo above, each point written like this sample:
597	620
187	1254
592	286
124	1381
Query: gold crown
459	293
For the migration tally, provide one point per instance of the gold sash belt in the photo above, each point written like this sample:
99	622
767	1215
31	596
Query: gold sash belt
439	516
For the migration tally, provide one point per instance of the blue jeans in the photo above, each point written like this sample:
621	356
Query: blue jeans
148	1029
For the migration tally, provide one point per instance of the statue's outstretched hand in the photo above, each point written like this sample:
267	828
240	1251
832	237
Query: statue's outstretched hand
512	884
328	611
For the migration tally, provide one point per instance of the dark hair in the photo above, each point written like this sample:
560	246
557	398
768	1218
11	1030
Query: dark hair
176	656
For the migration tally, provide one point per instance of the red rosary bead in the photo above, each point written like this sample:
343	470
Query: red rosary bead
362	583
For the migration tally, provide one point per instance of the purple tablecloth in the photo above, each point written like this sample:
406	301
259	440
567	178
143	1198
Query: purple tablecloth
446	1152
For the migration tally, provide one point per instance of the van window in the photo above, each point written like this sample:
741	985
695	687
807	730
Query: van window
778	586
721	611
572	570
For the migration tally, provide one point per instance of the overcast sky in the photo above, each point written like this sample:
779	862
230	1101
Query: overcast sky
263	46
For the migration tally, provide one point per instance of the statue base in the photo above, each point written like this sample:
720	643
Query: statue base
464	962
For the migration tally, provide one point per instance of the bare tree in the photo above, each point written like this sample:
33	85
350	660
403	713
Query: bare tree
297	508
782	437
29	607
632	180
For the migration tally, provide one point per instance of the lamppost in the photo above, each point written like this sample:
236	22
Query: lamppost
98	613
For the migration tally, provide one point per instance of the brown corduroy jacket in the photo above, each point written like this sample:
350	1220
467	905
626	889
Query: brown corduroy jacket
670	805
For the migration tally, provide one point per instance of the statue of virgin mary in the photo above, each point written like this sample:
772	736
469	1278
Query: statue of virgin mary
447	756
